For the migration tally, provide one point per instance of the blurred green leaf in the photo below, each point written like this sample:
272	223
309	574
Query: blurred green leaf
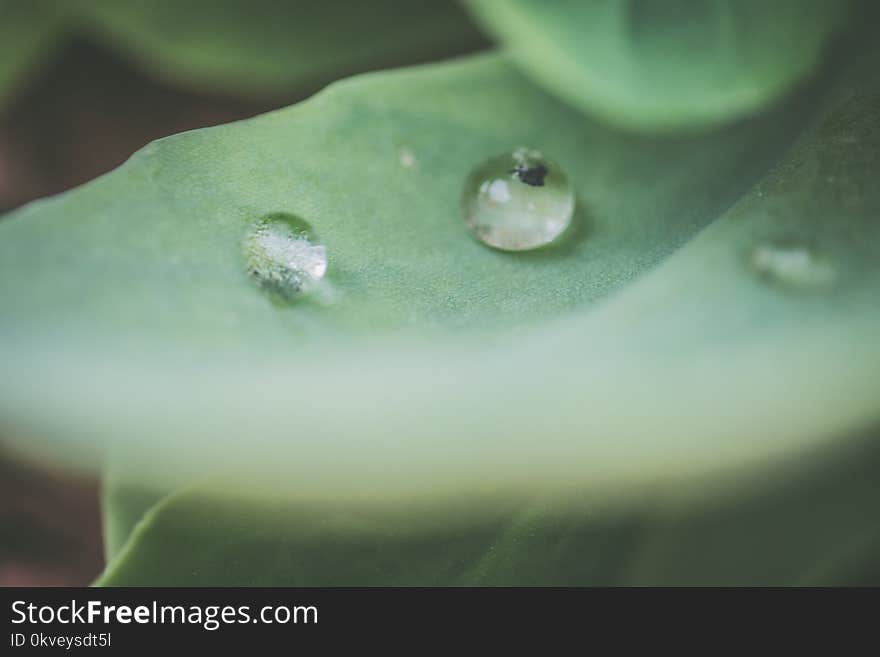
123	507
653	66
642	356
816	527
28	32
267	46
194	538
253	47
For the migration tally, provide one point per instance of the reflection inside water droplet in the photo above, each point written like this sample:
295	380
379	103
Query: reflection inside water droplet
517	201
792	264
281	255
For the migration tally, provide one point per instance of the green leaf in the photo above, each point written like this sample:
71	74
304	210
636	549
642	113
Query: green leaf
123	507
28	32
195	538
642	357
815	527
665	66
258	47
267	47
143	269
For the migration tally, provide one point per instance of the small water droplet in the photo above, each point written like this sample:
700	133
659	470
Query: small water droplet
281	255
792	264
517	201
407	158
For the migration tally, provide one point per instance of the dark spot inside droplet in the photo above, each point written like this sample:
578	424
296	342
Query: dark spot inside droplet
531	174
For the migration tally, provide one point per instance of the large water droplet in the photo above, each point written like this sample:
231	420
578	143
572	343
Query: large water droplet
793	265
517	201
281	255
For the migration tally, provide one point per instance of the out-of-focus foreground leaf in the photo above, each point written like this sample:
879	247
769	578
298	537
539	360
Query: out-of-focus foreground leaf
644	359
665	66
257	47
816	527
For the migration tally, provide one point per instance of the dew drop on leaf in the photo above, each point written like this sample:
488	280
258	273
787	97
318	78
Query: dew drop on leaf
793	265
517	201
281	255
407	158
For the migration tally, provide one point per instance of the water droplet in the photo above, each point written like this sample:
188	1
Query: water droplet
517	201
407	158
282	257
792	264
